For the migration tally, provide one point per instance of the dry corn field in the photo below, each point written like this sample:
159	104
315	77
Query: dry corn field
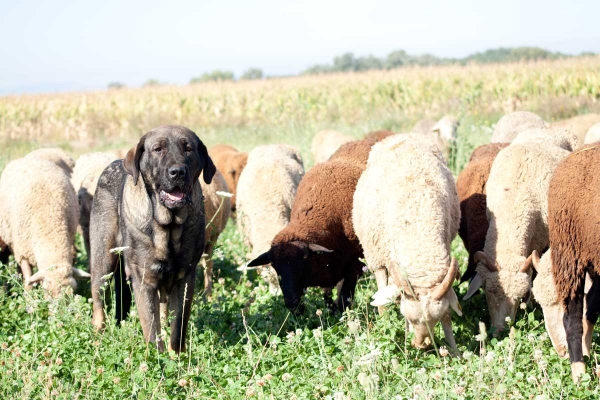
243	342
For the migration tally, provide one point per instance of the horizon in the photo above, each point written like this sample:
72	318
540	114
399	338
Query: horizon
76	47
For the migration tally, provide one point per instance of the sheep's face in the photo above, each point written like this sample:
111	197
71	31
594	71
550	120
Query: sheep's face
292	261
504	288
238	163
58	281
422	316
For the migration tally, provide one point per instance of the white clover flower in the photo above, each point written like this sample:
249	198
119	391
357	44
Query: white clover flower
467	355
298	332
490	356
444	351
286	377
523	306
118	250
537	354
369	357
421	371
143	367
318	333
353	326
223	194
508	320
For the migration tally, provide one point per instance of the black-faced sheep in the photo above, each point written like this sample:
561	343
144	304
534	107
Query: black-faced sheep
511	124
88	169
579	125
593	135
230	163
319	246
266	192
55	155
470	185
39	223
217	206
573	220
442	132
406	218
326	142
517	209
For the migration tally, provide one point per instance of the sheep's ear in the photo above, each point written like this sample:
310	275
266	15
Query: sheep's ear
535	259
263	259
315	248
131	163
208	167
482	258
529	262
80	274
37	277
453	301
474	286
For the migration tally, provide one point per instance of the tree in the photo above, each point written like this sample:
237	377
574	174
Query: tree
215	75
252	73
151	82
116	85
396	59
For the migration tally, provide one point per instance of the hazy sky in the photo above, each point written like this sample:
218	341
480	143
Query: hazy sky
73	45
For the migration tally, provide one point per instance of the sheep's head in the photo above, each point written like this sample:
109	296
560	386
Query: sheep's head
544	291
446	128
58	279
293	263
425	310
504	287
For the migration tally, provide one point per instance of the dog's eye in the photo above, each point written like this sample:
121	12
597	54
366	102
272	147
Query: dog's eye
157	149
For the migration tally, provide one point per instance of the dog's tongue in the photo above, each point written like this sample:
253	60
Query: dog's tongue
175	195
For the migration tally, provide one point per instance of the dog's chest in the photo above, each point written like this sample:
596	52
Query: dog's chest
166	241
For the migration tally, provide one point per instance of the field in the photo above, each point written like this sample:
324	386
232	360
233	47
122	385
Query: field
243	342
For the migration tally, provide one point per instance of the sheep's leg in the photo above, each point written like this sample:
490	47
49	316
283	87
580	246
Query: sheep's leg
346	293
573	323
328	298
26	271
447	325
381	276
592	311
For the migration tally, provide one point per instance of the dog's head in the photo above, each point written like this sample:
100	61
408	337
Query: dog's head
170	160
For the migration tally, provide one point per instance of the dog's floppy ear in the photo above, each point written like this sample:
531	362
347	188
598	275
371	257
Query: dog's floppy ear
208	167
131	163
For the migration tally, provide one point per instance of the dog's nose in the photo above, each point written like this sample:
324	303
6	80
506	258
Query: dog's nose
178	172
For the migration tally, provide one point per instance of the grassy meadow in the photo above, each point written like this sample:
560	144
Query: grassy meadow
242	342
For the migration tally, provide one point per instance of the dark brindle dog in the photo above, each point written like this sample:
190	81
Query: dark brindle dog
151	203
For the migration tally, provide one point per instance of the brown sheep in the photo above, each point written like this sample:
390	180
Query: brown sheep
573	220
214	201
379	135
579	125
470	185
319	246
230	163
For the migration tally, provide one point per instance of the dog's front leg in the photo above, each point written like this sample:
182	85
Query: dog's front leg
148	306
180	304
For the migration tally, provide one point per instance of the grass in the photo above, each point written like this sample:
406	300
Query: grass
243	342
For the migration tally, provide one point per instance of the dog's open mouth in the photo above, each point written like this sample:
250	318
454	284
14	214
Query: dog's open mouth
174	198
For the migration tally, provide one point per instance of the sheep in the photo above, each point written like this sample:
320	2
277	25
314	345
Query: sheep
579	125
545	294
442	132
217	207
230	163
266	192
517	210
556	136
39	224
470	185
509	126
593	135
573	220
326	142
86	172
406	218
379	135
319	247
55	155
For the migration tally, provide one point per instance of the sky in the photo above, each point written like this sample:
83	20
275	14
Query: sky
65	45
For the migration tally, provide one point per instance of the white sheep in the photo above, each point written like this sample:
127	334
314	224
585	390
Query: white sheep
593	135
544	292
511	124
86	172
517	210
266	192
556	136
579	124
55	155
39	223
442	132
405	218
217	206
326	142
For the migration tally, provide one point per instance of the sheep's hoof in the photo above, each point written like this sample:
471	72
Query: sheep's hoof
577	369
98	321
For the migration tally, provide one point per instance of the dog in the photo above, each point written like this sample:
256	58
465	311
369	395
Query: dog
150	204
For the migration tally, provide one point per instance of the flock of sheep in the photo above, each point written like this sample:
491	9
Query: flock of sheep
389	198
